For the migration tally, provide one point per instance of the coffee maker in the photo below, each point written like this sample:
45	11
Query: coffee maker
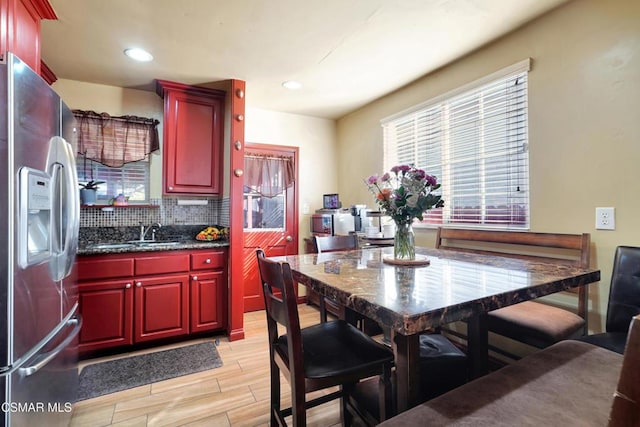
360	218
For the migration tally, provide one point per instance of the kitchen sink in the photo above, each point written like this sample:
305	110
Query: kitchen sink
141	243
132	244
111	246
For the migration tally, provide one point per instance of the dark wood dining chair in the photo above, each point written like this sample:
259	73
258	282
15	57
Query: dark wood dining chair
317	357
624	300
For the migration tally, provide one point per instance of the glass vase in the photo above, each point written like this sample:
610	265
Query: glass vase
404	246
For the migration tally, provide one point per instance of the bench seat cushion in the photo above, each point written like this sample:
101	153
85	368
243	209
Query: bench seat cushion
536	324
570	383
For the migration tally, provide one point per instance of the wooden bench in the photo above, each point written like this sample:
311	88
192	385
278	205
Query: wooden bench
534	323
570	383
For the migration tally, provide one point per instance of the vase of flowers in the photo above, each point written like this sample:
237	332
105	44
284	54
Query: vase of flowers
405	193
404	246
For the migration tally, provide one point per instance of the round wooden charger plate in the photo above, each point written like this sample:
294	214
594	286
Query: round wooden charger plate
420	260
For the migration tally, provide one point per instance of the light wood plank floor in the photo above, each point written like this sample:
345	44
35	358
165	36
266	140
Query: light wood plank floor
236	394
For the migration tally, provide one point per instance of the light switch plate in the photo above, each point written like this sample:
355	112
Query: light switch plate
605	219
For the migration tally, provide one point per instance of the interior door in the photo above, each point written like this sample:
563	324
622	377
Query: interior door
270	220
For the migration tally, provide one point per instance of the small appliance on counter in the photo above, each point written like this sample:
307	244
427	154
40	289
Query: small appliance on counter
361	221
332	222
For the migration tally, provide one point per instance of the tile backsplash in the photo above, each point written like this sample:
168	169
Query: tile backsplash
168	212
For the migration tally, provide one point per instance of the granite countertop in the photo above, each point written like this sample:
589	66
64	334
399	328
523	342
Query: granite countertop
100	248
119	240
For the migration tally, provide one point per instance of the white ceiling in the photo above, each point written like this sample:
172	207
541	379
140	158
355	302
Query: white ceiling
346	53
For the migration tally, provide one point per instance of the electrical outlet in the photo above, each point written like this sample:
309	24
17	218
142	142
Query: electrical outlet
605	219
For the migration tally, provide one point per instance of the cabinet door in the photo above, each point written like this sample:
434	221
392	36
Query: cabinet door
193	142
207	301
20	28
161	307
107	310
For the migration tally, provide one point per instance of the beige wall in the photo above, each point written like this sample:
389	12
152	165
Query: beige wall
584	124
316	140
117	101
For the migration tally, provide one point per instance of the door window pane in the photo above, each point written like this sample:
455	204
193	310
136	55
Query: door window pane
264	212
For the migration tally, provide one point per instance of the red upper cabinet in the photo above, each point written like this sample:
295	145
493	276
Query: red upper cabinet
20	28
193	138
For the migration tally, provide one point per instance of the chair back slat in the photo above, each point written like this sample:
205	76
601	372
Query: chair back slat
277	279
578	244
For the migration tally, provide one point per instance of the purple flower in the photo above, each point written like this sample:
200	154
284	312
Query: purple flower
386	177
420	174
372	180
400	168
431	180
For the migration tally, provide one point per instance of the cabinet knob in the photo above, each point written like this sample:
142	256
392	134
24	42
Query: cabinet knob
207	261
289	239
128	285
139	284
195	277
170	188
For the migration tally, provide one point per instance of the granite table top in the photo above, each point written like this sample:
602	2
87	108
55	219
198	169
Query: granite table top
454	286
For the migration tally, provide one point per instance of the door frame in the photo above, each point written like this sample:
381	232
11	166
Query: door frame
292	201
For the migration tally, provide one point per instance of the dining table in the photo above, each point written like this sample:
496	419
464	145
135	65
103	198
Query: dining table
448	286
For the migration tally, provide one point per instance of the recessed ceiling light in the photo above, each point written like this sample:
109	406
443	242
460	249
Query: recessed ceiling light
292	84
138	54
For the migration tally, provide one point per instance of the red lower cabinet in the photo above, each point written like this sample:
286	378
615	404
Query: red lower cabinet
107	309
207	297
161	307
140	297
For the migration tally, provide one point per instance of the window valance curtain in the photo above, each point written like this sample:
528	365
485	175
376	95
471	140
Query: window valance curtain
268	175
114	141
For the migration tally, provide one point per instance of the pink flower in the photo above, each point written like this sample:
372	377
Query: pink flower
431	180
373	179
420	174
386	177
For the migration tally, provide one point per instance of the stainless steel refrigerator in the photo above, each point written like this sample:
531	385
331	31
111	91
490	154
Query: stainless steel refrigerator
39	217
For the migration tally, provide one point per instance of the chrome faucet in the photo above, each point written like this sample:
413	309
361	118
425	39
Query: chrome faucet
153	227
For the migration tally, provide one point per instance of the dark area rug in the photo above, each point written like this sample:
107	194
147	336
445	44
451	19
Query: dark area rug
121	374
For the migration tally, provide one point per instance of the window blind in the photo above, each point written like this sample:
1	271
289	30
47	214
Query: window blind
131	180
474	140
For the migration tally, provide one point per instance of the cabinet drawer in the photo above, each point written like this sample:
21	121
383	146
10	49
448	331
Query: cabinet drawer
104	268
161	264
208	260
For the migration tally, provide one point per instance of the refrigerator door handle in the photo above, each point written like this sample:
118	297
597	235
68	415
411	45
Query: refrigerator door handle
56	243
45	358
73	206
63	171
